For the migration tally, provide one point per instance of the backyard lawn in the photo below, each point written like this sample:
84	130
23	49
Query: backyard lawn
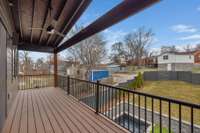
173	89
176	90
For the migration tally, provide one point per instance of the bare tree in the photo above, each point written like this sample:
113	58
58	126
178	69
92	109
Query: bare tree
137	44
118	52
26	62
89	52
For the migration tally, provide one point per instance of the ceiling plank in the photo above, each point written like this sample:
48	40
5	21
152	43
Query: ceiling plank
45	20
19	15
122	11
79	11
33	15
35	47
57	16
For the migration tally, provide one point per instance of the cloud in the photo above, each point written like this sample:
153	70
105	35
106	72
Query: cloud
114	36
191	37
180	28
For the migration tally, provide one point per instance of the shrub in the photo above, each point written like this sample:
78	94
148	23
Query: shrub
138	82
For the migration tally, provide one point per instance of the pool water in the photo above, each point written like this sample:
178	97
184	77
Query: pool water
124	118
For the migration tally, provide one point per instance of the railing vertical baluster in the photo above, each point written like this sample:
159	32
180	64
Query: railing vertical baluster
152	114
180	119
103	100
169	116
97	97
68	85
145	113
128	113
115	103
112	102
123	109
192	120
133	112
139	113
120	106
109	114
160	116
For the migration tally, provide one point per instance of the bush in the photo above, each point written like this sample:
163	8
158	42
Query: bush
138	82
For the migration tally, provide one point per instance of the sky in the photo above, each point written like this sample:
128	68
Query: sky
174	22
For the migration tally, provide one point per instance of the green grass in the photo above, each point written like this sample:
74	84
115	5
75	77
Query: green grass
176	90
196	70
157	129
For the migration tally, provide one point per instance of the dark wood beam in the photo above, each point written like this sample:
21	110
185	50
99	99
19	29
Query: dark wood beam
35	47
79	11
122	11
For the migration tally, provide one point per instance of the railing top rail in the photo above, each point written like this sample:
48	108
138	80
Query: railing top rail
175	101
35	75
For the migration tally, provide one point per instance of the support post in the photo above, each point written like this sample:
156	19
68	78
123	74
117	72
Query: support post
97	98
68	85
55	70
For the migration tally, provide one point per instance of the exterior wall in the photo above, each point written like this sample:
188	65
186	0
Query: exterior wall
3	84
176	67
175	58
197	57
8	84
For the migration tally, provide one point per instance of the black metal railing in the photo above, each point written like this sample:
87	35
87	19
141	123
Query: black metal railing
136	111
35	81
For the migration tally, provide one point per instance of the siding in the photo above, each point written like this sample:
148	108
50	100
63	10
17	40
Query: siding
173	58
2	75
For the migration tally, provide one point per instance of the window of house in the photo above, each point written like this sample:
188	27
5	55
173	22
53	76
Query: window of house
165	57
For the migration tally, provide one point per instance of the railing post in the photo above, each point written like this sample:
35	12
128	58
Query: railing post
68	85
97	97
55	70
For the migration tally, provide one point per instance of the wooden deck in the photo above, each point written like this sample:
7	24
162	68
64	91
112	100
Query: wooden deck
50	110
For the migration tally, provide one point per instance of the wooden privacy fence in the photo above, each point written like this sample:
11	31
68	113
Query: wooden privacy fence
35	81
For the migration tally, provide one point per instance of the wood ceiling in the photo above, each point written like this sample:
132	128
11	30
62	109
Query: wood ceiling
36	14
29	14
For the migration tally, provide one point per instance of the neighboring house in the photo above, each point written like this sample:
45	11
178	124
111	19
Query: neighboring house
176	61
196	56
146	62
150	62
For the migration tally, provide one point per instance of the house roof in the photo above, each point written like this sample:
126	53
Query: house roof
179	53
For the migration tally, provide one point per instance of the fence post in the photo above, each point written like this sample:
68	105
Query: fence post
97	97
68	85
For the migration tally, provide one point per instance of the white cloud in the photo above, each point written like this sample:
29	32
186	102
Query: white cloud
114	36
191	37
180	28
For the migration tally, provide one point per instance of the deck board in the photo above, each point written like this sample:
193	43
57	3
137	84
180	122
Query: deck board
50	110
